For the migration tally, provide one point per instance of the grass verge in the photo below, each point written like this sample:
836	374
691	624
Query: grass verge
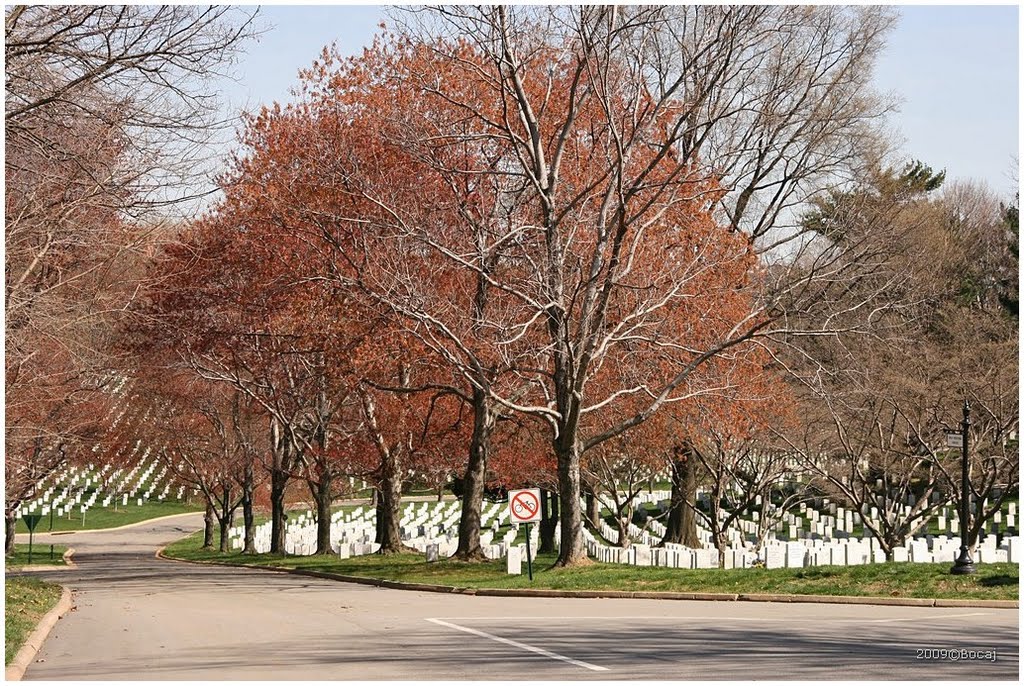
27	600
891	580
107	518
41	555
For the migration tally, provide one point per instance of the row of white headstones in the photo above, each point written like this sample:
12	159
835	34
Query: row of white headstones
80	489
830	542
74	488
431	528
421	526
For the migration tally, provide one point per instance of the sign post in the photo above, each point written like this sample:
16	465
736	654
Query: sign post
524	507
31	520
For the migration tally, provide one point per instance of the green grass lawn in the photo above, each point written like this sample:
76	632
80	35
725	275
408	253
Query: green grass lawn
993	581
106	517
41	555
27	600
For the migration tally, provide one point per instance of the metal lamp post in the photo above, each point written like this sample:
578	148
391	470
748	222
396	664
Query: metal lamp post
964	564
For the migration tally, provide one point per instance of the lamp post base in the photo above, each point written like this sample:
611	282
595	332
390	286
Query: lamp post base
963	564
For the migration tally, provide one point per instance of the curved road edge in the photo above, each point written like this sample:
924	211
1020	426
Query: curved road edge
25	655
68	564
645	595
143	522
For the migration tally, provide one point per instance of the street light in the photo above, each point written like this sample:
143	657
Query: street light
964	564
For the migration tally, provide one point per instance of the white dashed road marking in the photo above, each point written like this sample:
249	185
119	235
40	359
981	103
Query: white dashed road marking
517	644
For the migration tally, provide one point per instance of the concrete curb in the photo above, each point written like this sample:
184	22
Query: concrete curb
34	642
636	595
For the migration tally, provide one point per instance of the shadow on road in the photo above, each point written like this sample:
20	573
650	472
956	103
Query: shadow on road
648	651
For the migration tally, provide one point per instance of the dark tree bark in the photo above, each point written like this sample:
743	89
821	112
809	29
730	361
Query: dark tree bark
283	456
549	508
389	509
278	481
571	551
377	503
10	521
321	491
209	521
224	526
593	508
681	527
248	516
225	516
473	481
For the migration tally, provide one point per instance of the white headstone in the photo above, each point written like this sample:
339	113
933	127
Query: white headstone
795	554
1013	549
919	551
774	557
514	561
706	558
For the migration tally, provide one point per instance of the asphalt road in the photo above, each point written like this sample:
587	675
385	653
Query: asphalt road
140	618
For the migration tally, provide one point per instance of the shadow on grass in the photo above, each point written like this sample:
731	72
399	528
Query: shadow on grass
999	580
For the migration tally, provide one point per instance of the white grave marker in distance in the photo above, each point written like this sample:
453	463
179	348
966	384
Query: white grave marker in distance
524	505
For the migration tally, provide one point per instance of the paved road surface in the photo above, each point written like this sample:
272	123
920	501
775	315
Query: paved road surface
141	618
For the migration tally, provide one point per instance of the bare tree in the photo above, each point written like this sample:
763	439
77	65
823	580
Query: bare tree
106	111
876	409
743	473
775	100
622	474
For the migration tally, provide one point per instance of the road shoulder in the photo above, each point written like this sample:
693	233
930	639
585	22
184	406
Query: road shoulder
27	652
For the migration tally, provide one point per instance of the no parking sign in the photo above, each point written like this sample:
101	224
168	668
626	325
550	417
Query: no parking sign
524	505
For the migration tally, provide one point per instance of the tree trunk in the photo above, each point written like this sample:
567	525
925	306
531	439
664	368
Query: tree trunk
225	518
225	524
208	523
473	481
389	512
549	508
572	551
378	505
283	454
321	491
10	522
720	547
593	508
622	526
681	527
278	481
248	516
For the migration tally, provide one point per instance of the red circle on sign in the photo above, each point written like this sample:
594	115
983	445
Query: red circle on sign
521	500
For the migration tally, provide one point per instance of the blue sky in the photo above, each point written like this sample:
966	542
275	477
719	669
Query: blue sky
955	68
